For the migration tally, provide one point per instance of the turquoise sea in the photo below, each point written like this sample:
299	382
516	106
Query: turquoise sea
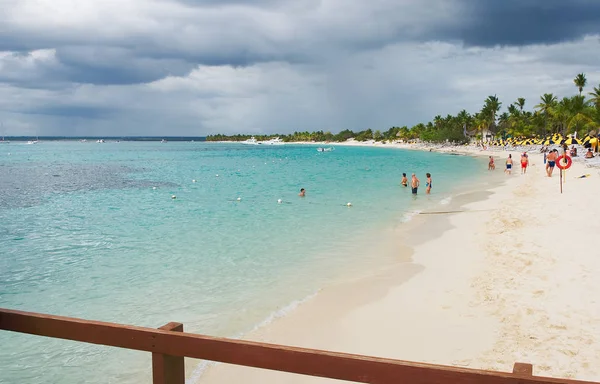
90	230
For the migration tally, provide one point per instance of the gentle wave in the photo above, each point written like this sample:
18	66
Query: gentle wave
446	201
408	216
279	313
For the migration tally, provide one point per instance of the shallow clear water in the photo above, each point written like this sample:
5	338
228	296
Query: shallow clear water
90	230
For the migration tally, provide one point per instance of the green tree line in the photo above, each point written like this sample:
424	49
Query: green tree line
579	112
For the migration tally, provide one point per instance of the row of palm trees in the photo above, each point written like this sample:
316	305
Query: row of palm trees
551	115
570	114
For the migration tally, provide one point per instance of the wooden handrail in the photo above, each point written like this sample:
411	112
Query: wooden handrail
170	340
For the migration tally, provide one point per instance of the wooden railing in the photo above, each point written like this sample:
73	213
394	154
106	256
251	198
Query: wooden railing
169	345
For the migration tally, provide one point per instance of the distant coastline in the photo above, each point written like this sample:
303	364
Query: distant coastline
120	138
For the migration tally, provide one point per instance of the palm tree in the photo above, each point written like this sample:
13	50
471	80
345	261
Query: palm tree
521	103
490	109
562	113
595	96
548	102
504	123
580	82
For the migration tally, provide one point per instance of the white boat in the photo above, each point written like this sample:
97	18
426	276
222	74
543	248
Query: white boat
100	141
274	141
83	140
33	141
163	141
329	149
3	141
251	141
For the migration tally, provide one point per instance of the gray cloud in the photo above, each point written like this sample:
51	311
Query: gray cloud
198	67
523	22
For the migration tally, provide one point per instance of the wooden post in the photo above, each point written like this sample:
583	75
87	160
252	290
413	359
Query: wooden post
167	369
523	369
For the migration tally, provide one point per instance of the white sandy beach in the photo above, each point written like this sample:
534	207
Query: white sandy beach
514	278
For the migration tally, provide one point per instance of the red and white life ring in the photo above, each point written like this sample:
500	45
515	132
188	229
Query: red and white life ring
567	164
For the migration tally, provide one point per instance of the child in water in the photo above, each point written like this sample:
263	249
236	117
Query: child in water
404	181
428	183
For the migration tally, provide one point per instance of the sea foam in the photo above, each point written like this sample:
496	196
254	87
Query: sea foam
277	314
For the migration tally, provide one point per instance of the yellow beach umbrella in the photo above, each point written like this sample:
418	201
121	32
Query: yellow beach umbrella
594	143
572	141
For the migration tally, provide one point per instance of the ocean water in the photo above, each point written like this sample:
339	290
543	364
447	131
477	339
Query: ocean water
90	230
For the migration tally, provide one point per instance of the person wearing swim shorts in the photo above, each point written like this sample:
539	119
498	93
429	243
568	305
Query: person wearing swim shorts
414	183
524	163
551	162
428	183
509	164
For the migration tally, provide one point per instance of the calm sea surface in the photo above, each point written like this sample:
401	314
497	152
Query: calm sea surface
90	230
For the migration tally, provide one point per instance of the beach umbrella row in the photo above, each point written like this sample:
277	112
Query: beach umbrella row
555	139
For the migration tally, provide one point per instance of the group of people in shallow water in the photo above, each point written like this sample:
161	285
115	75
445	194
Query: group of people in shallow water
415	183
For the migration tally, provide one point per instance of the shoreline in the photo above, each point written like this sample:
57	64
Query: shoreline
396	312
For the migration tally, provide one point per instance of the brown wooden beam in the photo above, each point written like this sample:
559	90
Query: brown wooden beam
523	369
304	361
167	369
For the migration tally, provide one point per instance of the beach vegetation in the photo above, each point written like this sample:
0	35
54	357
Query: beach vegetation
577	113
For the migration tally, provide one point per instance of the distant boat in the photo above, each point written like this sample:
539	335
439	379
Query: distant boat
34	141
329	149
83	140
100	141
163	141
3	141
274	141
251	141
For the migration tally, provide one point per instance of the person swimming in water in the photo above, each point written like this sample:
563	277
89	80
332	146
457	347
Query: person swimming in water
302	192
414	183
404	181
428	183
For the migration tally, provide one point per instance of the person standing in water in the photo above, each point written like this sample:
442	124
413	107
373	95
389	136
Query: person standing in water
524	163
491	165
428	183
414	183
302	192
509	164
404	181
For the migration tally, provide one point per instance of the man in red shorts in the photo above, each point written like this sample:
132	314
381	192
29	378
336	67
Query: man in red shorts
524	163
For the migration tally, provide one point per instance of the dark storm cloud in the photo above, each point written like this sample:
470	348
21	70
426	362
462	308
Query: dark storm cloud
111	65
89	112
208	66
523	22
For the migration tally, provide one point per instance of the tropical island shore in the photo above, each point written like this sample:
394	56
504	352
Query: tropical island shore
520	285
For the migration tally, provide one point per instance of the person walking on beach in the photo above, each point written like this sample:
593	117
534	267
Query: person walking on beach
551	162
491	165
524	163
302	192
428	183
509	164
404	181
414	183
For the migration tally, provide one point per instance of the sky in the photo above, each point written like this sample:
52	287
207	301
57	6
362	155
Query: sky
198	67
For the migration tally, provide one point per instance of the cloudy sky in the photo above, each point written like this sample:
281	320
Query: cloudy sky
195	67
